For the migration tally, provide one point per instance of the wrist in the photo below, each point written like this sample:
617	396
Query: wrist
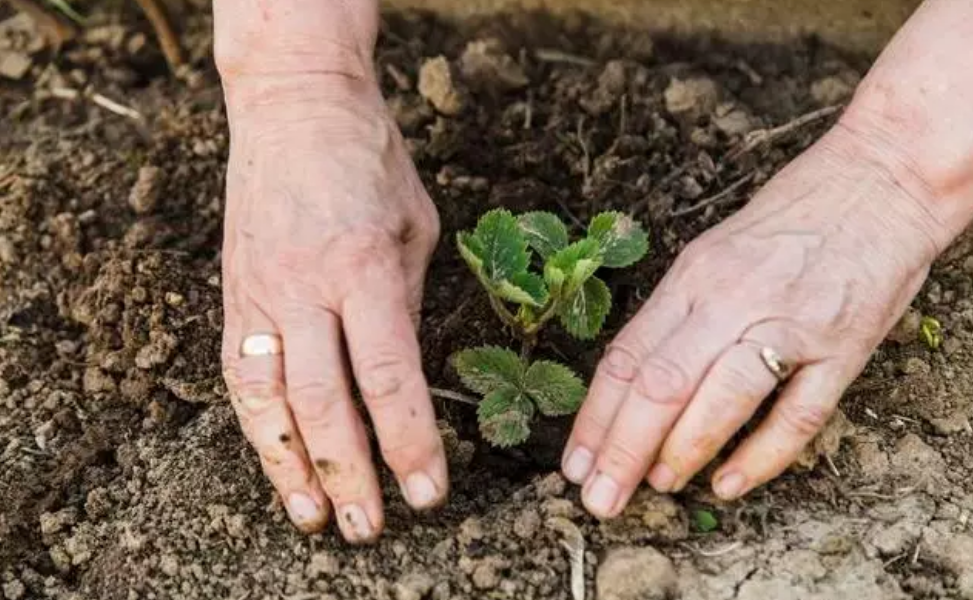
326	45
936	193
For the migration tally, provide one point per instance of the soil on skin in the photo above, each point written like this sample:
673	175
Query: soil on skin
123	473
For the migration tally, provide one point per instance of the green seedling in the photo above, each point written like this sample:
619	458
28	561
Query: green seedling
65	8
533	274
931	332
705	521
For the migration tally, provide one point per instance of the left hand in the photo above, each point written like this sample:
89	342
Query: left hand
817	268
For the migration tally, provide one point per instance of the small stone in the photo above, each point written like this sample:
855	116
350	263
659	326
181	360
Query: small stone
833	89
470	530
527	523
915	366
485	575
436	85
144	195
56	522
559	507
157	352
733	123
14	590
175	299
169	565
906	330
691	98
236	526
413	586
13	64
485	65
629	573
322	563
550	485
8	253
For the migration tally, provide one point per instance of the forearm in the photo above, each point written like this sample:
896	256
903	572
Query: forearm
916	105
271	50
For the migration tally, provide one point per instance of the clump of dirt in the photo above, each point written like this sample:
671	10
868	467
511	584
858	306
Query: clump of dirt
122	469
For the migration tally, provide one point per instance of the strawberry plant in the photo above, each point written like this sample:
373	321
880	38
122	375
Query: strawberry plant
533	273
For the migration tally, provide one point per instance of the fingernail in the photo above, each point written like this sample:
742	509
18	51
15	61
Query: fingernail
303	508
355	523
730	486
662	478
602	495
578	465
420	491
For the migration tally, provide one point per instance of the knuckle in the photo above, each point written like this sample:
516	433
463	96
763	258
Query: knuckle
803	419
381	377
410	454
620	363
661	381
313	401
624	464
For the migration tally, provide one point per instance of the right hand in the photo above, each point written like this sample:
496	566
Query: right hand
328	235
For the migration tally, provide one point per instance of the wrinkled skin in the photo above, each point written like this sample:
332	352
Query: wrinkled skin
329	233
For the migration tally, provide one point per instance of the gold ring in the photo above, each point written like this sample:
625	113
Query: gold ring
777	365
261	344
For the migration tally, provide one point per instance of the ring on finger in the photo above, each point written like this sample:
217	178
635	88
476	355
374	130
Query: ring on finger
261	344
780	368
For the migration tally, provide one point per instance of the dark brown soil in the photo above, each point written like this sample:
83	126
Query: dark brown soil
122	470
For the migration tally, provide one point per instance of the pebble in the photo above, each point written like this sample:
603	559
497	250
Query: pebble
691	98
13	64
8	253
527	523
413	586
436	85
485	576
144	195
14	590
169	565
906	330
630	573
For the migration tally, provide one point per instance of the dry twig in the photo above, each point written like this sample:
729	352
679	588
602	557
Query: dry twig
715	199
454	396
168	40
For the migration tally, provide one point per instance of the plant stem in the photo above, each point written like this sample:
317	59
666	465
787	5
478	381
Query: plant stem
454	396
505	315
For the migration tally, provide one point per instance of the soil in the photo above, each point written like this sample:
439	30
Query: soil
122	470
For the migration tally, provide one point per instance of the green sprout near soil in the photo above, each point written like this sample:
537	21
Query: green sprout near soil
500	252
65	8
931	332
705	521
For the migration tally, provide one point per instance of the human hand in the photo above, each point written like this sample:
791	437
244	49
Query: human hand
817	268
328	235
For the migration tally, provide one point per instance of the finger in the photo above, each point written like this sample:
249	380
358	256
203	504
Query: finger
319	394
730	394
615	372
385	358
257	387
804	407
666	380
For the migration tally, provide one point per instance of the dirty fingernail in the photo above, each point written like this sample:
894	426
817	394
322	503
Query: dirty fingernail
602	495
303	508
420	490
578	465
355	524
662	478
730	486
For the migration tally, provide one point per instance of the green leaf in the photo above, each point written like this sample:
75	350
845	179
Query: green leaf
705	521
623	241
471	249
545	233
554	388
488	368
498	246
931	332
524	288
504	416
577	262
584	313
